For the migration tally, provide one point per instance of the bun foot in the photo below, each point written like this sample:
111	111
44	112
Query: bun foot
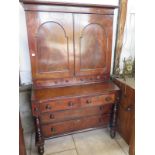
41	149
112	134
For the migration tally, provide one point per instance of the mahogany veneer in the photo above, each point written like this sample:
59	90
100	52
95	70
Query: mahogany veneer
73	125
70	49
75	113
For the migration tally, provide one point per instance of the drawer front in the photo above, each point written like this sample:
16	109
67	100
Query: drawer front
72	114
59	105
75	125
97	100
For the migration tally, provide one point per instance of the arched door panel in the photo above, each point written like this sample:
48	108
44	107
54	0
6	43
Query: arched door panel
92	44
51	44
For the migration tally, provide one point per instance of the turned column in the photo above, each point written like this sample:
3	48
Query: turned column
114	119
39	137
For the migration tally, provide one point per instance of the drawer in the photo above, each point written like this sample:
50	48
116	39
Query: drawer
75	113
64	104
97	100
74	125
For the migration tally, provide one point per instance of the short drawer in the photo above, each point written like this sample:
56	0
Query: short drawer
97	100
51	117
64	104
74	125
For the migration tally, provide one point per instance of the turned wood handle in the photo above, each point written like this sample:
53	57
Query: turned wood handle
53	130
51	116
108	98
88	102
48	107
128	108
70	104
36	109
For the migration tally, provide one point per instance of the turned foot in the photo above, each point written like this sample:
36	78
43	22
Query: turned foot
39	137
113	122
41	149
112	133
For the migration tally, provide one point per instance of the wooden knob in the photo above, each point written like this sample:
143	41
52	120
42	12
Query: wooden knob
51	116
88	101
35	109
53	130
108	98
98	77
128	109
70	103
48	107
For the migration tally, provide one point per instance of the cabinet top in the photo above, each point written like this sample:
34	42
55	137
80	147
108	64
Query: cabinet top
47	94
50	2
129	81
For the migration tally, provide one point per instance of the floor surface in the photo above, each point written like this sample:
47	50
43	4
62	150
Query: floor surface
95	142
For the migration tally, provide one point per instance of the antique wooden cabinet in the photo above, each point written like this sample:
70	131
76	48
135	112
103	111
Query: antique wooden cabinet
70	48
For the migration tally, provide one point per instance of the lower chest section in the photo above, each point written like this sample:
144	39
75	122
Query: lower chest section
69	114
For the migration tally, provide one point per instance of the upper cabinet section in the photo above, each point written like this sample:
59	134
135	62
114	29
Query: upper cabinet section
93	35
69	43
51	44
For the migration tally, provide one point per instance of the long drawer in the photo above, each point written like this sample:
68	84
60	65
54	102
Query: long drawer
51	117
75	125
74	103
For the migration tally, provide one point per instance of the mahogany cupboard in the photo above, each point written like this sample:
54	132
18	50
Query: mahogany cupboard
70	48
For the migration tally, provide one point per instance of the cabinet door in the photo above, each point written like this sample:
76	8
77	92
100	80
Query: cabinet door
93	37
51	44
